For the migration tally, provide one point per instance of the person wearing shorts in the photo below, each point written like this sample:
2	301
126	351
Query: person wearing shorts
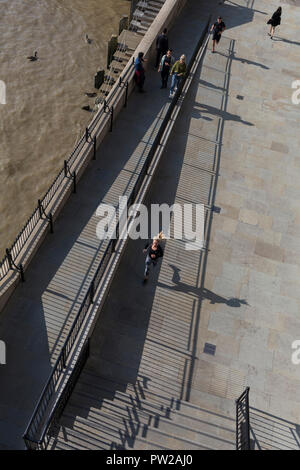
217	28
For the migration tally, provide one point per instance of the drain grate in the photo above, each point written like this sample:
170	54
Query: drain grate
240	97
209	349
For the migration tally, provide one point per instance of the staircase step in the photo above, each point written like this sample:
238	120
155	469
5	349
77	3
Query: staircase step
110	387
116	66
130	39
150	403
122	56
212	428
86	435
101	434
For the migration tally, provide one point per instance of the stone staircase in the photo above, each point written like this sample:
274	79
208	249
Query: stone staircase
104	414
128	40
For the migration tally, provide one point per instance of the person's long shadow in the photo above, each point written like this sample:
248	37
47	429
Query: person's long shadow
204	293
244	61
288	41
205	108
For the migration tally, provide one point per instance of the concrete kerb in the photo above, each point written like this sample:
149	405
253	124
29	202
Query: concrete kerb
168	13
94	312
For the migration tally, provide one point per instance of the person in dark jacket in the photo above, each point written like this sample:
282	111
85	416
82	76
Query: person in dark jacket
165	67
154	252
162	45
140	72
218	27
274	21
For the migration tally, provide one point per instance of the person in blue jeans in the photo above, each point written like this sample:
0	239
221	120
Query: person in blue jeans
178	72
153	252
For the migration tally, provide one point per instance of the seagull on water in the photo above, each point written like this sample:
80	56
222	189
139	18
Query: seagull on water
34	57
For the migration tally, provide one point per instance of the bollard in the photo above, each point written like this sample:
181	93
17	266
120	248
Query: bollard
132	8
111	48
124	23
99	78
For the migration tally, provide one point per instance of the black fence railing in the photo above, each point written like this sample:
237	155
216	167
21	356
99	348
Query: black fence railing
35	426
8	262
51	426
243	421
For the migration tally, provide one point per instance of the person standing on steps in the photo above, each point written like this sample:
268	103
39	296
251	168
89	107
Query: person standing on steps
162	45
178	72
274	21
218	27
164	68
140	72
154	251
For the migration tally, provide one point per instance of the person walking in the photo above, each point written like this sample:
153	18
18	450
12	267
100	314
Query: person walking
165	66
162	45
178	72
274	21
140	72
154	251
218	27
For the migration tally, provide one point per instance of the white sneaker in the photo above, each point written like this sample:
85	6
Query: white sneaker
171	95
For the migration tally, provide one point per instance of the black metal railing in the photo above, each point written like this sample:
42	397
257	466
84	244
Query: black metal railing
66	173
36	422
243	421
51	426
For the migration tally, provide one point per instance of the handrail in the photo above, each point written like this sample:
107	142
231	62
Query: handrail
35	425
41	444
243	421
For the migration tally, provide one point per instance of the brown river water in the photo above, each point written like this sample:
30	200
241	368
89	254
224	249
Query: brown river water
42	118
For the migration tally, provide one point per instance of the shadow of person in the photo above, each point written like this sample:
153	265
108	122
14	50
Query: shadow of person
203	293
232	56
288	41
217	112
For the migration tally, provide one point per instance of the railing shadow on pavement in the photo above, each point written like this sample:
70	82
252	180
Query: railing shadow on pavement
270	432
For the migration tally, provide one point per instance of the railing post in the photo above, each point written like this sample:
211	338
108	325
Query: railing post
40	208
9	258
95	148
86	134
243	421
64	359
74	182
51	222
92	292
22	273
111	118
126	94
66	168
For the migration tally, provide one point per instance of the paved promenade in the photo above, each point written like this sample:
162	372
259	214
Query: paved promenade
237	153
235	147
